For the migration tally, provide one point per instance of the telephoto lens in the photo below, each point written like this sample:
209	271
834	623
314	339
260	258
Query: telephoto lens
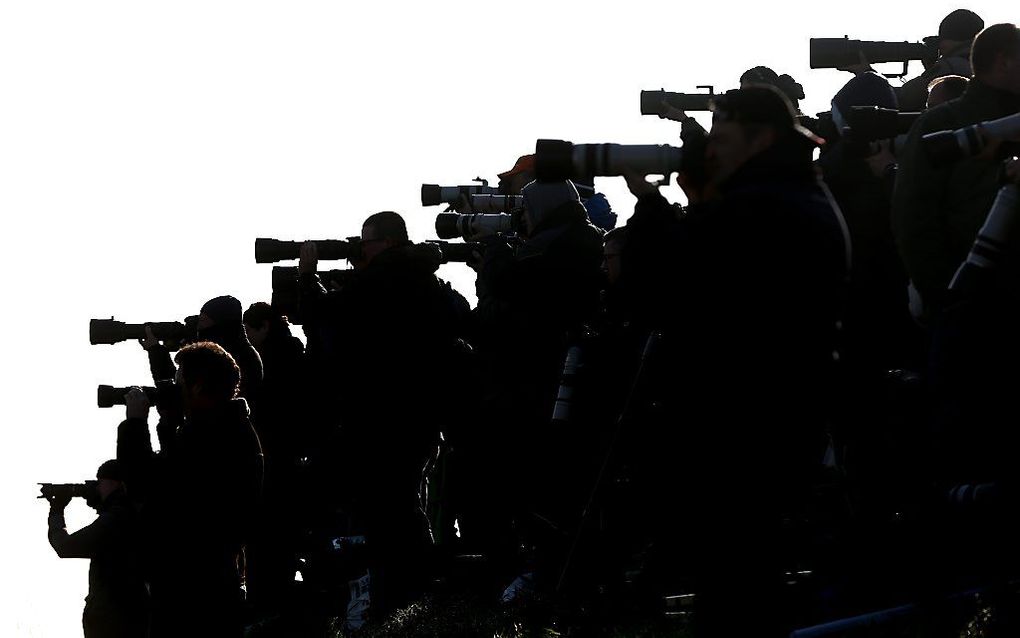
435	195
837	53
457	253
656	102
946	147
871	123
269	251
111	331
455	225
496	203
557	160
86	490
108	396
991	248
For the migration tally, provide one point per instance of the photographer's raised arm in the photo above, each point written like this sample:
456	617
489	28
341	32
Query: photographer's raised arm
93	539
160	363
134	446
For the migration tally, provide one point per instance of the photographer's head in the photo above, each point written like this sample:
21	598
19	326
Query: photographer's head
542	199
110	480
224	311
745	123
863	89
789	87
381	232
207	376
515	179
262	320
995	57
958	30
945	88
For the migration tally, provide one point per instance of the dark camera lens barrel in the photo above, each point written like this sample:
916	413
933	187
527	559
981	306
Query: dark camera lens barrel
554	160
448	225
652	101
268	251
431	195
284	278
110	331
834	53
108	396
871	123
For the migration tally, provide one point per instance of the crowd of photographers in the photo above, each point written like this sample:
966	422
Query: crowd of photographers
791	397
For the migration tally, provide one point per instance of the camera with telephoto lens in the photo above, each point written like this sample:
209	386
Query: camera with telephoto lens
871	123
286	283
110	331
657	102
89	490
840	53
945	147
436	195
557	160
475	225
269	251
866	125
108	396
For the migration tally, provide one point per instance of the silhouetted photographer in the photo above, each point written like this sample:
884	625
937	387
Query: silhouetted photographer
117	602
198	494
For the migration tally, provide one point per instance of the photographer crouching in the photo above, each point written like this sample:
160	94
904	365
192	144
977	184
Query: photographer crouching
117	602
757	269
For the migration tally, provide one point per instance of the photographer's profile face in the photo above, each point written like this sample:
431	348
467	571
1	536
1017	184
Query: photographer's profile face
371	245
257	335
730	147
107	487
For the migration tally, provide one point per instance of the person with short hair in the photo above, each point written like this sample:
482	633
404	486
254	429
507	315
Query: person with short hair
945	88
117	602
956	35
384	348
199	494
938	209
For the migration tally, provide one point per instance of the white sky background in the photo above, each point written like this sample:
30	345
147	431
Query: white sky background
144	146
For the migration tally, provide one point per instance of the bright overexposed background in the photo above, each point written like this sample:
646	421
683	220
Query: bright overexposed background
144	146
